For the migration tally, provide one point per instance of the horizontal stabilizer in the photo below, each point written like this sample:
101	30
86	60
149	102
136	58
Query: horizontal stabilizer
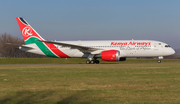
17	45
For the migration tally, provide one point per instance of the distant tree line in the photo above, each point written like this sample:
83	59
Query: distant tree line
12	51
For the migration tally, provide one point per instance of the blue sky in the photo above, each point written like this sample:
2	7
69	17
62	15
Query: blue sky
95	19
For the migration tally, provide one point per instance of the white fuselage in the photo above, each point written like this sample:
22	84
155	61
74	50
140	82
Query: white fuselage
127	48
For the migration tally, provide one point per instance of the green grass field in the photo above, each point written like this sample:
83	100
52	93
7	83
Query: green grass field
75	61
90	84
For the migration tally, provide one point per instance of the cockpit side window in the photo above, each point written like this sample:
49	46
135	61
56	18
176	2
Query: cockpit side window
167	46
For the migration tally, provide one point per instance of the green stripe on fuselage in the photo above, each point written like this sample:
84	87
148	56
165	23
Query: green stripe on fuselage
41	46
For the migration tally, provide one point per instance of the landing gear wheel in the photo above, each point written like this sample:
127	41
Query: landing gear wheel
87	62
92	62
159	61
96	61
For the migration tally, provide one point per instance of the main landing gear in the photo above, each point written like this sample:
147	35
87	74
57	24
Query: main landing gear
92	61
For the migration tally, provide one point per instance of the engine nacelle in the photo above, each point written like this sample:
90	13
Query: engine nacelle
110	55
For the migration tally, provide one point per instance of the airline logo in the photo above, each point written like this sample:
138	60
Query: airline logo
130	43
27	31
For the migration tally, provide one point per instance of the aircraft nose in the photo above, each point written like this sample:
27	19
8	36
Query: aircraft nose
172	51
169	51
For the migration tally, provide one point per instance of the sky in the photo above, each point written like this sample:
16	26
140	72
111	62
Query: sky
95	19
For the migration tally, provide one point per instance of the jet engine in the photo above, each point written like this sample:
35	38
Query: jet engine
111	55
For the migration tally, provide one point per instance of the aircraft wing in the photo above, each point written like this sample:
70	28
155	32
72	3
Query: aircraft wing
81	48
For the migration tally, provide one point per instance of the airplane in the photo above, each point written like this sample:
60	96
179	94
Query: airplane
110	50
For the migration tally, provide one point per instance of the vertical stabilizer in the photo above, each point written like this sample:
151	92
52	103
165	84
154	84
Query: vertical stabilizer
29	34
32	37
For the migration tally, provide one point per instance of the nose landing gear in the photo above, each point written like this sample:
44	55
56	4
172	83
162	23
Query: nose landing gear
159	61
160	57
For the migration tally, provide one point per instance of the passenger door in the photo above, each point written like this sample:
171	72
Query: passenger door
156	46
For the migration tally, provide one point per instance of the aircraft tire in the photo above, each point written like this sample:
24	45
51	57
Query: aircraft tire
159	61
92	62
87	62
97	61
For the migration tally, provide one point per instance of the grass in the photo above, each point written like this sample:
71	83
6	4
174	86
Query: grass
85	84
74	60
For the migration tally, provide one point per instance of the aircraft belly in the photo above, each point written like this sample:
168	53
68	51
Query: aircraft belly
148	53
143	53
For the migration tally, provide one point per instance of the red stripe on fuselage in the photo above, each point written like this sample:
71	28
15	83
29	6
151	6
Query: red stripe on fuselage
54	49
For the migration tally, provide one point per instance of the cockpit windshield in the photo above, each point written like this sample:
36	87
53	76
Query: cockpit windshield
167	46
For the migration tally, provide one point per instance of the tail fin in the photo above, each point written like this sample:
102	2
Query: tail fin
29	34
